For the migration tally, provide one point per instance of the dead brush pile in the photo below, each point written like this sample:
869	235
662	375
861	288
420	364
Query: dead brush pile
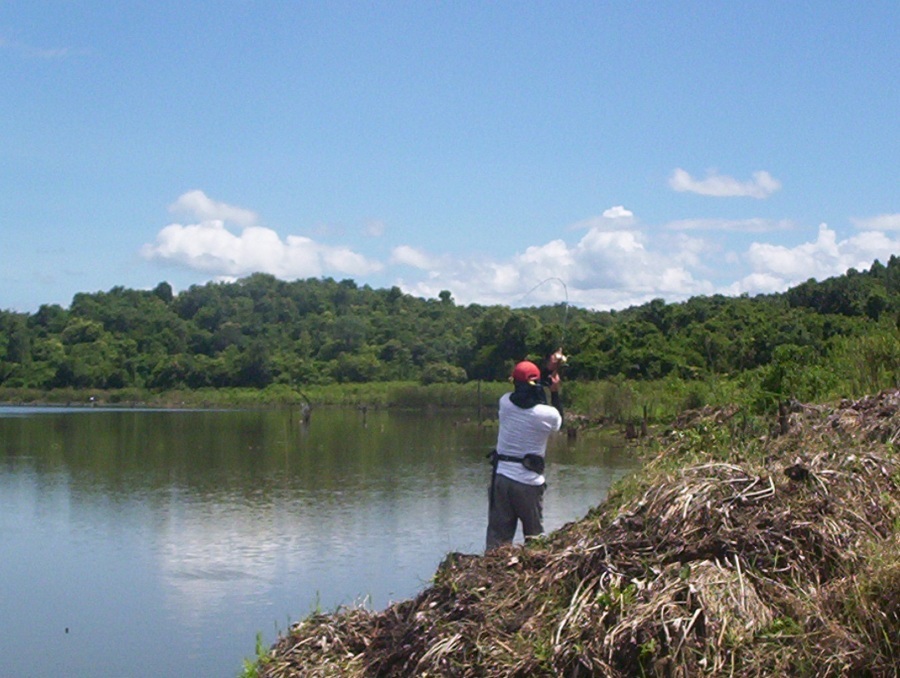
726	555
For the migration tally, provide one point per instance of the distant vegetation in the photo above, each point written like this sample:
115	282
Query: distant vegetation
819	340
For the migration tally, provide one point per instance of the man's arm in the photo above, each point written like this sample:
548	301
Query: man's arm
553	363
556	402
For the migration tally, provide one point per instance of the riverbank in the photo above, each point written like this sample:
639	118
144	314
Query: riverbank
631	405
388	394
734	551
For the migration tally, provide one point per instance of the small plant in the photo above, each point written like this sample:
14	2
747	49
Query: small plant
252	666
622	598
782	626
648	649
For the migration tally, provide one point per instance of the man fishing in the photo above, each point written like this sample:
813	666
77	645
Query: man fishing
526	423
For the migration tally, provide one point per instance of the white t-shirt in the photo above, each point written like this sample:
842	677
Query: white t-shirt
524	431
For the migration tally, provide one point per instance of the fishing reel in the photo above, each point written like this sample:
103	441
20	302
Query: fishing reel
557	358
553	363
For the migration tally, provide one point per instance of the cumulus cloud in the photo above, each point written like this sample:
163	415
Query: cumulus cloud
606	268
210	247
620	267
617	212
762	185
198	205
882	222
613	218
615	262
774	268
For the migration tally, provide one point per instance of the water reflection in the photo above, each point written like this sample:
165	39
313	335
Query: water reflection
196	530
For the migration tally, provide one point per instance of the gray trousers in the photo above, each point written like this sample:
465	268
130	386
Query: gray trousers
514	501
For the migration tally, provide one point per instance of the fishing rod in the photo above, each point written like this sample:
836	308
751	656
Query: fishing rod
558	354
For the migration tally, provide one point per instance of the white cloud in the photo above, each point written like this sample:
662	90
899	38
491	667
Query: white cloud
209	246
605	269
882	222
374	228
722	186
212	248
619	267
617	212
410	256
774	268
731	225
755	283
199	206
612	218
555	255
616	262
44	53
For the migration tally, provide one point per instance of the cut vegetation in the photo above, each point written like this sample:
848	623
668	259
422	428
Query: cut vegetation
733	552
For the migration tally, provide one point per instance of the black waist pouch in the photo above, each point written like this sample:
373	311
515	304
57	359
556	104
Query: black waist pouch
533	462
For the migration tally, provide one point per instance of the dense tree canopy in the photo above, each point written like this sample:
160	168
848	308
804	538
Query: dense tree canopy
260	331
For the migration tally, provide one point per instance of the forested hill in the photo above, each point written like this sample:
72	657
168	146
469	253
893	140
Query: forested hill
260	331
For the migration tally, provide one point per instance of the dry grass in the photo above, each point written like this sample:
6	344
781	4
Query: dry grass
725	556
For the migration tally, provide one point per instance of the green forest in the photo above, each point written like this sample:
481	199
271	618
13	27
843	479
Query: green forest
834	338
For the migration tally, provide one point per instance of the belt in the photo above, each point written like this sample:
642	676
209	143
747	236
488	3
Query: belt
496	457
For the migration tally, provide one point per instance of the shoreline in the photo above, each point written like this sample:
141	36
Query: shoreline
733	551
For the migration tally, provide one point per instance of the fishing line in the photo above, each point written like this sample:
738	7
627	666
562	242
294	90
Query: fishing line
565	321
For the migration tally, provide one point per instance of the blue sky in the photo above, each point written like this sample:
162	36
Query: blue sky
631	149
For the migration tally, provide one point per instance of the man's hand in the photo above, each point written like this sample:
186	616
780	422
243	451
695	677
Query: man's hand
554	382
555	361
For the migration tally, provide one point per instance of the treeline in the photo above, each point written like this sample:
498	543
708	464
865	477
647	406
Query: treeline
815	340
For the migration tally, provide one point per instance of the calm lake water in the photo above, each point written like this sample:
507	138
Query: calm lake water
160	543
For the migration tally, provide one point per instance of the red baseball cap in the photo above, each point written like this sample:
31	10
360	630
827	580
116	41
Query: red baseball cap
526	371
